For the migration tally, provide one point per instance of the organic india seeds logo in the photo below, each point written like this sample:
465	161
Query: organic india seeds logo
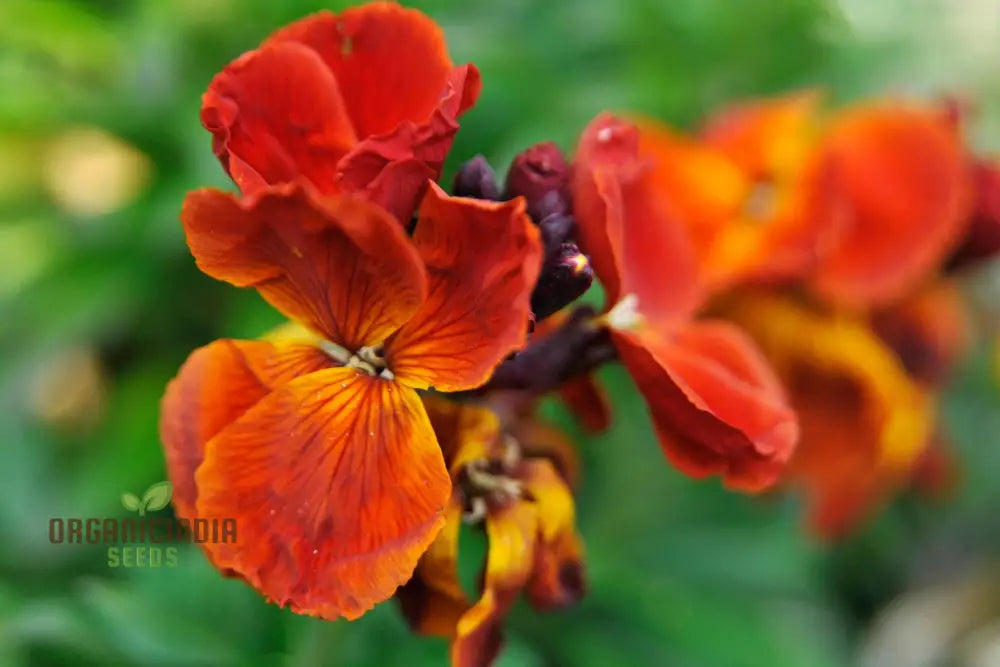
156	498
142	541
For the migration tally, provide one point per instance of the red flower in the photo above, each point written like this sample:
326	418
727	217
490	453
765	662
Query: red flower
901	173
365	101
716	405
318	443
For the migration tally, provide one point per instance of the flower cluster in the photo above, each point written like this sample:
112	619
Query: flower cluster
778	286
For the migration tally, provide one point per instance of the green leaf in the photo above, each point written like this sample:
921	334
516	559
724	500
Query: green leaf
157	496
130	501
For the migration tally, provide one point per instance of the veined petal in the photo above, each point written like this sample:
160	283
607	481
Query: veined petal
217	384
557	576
512	533
902	174
482	262
635	243
337	486
864	421
276	116
716	405
343	266
391	62
433	601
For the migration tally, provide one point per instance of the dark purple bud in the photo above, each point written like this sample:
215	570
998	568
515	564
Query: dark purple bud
566	275
537	172
556	230
551	204
476	179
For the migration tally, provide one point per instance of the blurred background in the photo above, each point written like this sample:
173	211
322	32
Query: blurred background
100	302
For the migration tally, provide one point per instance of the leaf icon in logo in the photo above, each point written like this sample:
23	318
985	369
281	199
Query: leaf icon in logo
130	502
157	497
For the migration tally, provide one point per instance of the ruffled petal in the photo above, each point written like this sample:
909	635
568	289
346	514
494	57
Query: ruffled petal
901	173
636	245
217	384
433	601
391	62
482	261
276	115
342	267
512	533
401	92
394	169
557	576
716	405
337	486
864	421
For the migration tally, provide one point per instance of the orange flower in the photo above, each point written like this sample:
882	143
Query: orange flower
900	173
865	422
716	405
749	191
365	101
529	518
318	444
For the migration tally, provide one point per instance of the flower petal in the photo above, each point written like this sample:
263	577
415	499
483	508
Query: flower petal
512	533
394	169
928	331
482	261
433	601
391	62
217	384
337	486
716	405
401	92
557	576
864	422
541	440
902	173
464	431
587	400
342	267
635	244
766	137
276	115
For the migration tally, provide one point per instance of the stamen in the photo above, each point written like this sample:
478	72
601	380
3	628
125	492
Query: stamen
336	352
624	315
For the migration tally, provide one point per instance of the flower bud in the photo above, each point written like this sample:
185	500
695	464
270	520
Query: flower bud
476	179
566	275
982	237
555	231
537	172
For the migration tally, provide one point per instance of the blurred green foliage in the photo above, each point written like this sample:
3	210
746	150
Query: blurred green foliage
100	303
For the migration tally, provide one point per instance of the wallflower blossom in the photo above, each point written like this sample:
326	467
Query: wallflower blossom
319	444
365	101
716	406
525	505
